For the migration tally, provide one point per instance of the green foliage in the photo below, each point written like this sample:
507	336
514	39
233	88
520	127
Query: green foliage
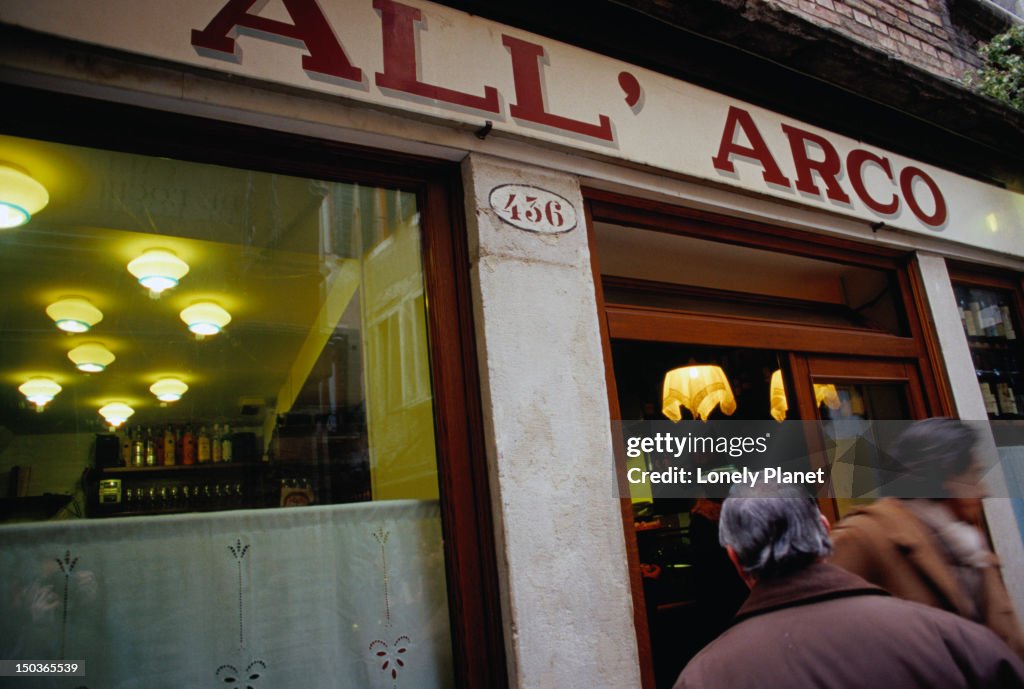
1002	75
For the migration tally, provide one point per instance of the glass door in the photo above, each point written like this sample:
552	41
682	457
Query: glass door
851	392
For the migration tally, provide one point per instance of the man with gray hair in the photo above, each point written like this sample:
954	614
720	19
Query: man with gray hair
809	624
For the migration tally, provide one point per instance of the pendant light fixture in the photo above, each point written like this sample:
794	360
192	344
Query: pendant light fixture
74	314
39	391
779	404
205	318
21	197
158	270
91	357
168	389
116	413
698	388
824	393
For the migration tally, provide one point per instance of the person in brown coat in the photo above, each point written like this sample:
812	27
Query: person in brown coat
811	625
930	549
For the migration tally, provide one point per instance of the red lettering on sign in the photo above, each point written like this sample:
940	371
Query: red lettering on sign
855	167
529	103
940	214
827	168
400	63
310	28
758	149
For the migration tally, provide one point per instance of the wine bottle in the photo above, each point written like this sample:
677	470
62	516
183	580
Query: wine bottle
204	446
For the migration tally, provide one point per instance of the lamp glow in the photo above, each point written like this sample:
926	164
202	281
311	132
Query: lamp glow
824	393
158	270
205	318
698	388
39	391
21	197
168	389
779	404
116	413
74	315
91	357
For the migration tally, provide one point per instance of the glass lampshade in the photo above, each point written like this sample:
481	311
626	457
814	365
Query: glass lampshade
39	391
205	318
116	413
21	197
74	314
168	389
91	357
698	388
158	270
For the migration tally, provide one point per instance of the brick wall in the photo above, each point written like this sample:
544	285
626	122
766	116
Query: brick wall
934	35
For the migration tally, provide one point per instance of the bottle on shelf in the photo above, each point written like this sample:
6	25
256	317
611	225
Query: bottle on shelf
1007	399
150	448
991	405
216	449
974	321
170	451
967	319
188	446
126	447
227	447
138	448
1010	333
203	446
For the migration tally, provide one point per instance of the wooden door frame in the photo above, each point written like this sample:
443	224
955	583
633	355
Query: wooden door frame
919	348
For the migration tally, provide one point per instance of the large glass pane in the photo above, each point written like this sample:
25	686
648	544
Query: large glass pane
232	340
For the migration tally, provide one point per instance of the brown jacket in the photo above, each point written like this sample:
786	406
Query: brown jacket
824	628
889	546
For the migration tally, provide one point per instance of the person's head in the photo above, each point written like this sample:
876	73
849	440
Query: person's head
939	454
772	530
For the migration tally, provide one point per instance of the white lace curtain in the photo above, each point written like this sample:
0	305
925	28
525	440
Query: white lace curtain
306	598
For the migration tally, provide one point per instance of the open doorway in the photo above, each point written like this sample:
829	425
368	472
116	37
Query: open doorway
681	286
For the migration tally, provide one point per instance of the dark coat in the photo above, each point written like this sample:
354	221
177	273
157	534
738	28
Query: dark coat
824	628
889	546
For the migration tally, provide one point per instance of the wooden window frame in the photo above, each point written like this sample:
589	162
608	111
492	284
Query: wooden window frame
473	590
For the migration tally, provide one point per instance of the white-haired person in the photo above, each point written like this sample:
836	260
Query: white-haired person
809	624
926	544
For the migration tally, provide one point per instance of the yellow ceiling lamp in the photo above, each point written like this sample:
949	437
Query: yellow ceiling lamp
779	404
39	391
698	388
205	318
21	197
74	314
824	393
91	357
168	389
158	270
116	413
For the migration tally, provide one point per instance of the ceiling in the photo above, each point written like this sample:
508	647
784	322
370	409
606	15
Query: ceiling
254	243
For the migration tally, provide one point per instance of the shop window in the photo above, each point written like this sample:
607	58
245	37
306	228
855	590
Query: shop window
993	329
302	381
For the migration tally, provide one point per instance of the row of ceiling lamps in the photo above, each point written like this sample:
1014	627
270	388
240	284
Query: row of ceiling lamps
702	387
156	269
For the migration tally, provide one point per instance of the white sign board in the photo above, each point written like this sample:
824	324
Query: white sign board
436	61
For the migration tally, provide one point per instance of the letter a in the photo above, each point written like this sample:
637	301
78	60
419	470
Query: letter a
758	149
326	56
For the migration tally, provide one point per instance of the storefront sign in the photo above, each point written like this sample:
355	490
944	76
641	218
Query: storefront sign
442	63
814	156
533	209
